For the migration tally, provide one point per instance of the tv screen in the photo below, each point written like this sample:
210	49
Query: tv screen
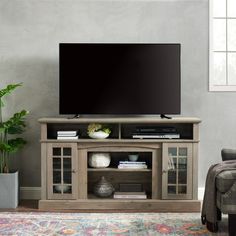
119	79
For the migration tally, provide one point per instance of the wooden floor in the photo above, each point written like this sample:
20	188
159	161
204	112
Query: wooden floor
24	206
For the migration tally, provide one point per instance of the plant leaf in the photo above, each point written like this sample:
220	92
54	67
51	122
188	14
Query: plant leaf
13	145
16	144
7	91
15	124
4	147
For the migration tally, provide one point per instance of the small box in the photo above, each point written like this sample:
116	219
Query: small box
130	187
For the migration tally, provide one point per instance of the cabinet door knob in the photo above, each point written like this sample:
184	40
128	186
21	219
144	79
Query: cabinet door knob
164	171
73	171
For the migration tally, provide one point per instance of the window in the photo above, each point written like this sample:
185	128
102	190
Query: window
222	45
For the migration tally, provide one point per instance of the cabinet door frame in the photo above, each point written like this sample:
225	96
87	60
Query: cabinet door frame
165	158
74	171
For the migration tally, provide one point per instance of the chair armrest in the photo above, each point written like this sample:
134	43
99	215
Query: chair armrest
225	180
228	154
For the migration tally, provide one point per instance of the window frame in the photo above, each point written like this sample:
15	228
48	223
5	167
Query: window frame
214	87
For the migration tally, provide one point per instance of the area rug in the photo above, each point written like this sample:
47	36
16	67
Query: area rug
101	224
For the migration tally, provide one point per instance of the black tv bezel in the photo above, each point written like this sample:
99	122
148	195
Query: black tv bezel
120	114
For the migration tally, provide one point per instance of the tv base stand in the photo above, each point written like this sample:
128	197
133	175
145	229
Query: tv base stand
165	117
76	116
170	180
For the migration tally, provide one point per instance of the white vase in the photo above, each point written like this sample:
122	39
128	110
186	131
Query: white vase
99	160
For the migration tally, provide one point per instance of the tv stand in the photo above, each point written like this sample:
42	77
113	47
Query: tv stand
170	179
165	117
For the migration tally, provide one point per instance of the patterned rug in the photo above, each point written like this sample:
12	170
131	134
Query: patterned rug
101	224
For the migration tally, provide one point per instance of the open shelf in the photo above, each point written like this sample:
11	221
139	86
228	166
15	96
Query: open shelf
81	128
121	129
116	178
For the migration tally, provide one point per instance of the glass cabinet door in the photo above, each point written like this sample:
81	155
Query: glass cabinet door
177	174
61	171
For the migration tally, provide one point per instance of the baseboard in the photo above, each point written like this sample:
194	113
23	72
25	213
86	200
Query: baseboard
35	193
201	193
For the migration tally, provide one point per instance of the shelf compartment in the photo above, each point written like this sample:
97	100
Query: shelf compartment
116	178
116	157
185	130
52	129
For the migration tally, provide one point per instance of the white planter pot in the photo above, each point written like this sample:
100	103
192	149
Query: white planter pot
9	190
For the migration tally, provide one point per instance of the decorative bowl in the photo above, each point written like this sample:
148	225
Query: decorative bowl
133	157
63	188
98	134
99	160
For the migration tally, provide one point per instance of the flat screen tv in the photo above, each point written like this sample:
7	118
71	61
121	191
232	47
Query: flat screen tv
119	78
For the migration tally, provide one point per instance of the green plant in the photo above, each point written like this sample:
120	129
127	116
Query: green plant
13	126
98	127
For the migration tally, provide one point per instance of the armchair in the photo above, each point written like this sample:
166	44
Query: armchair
226	192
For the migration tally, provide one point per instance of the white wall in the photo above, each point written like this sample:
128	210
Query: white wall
30	31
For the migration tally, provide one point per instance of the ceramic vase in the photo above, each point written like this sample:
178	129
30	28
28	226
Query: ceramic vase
103	188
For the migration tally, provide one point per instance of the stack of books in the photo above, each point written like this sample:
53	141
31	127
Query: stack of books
67	135
132	165
130	195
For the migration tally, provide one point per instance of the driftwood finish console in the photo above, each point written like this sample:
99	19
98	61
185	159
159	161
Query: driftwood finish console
67	180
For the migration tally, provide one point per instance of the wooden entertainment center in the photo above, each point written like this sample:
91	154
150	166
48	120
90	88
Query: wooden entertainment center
170	181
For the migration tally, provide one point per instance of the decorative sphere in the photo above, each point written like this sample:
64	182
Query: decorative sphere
99	160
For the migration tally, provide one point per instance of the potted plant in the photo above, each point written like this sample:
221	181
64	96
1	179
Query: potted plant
98	131
9	184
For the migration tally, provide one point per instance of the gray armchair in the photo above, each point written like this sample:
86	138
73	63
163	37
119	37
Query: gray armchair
226	192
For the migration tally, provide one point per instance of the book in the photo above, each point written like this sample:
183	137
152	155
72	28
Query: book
67	137
132	162
73	133
130	195
121	166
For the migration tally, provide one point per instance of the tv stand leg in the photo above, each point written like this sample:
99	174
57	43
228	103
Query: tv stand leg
165	117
